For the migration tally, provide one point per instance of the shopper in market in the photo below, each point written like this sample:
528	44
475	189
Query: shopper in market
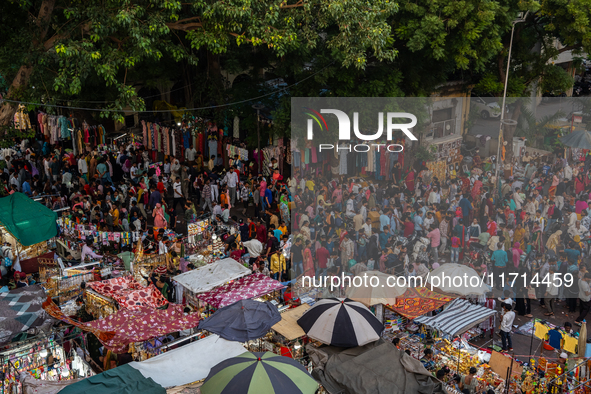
507	327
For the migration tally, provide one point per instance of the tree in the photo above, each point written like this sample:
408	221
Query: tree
77	39
551	28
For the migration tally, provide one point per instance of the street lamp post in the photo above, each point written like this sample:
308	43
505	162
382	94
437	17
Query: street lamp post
258	107
516	21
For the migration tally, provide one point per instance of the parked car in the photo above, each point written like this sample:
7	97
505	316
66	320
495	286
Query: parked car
486	109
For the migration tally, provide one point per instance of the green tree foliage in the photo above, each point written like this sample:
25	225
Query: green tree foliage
77	40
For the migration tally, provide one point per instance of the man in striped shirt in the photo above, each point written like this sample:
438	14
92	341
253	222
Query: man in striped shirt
206	195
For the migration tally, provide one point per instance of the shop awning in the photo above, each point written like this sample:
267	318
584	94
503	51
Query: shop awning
212	275
20	310
26	220
250	286
121	380
457	318
125	326
187	364
129	293
377	367
288	326
418	301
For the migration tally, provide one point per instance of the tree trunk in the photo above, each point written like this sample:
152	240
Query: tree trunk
18	83
21	80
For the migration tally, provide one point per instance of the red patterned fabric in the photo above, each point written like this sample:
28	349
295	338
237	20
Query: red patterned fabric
241	289
143	324
418	301
123	327
129	293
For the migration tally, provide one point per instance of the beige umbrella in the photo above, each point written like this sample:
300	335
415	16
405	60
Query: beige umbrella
458	279
377	288
583	339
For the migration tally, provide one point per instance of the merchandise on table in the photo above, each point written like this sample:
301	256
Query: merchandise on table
45	359
98	305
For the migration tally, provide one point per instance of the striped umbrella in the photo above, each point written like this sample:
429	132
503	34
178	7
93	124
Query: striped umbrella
341	322
259	373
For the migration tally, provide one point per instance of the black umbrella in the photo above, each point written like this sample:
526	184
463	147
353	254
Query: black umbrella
577	139
243	321
341	322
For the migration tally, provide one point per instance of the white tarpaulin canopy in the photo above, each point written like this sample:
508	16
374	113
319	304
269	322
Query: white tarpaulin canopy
189	363
212	275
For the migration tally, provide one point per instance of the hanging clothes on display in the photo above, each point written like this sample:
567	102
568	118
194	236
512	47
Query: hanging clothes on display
63	124
21	118
343	160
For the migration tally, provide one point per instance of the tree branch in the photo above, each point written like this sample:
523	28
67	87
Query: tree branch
300	3
568	48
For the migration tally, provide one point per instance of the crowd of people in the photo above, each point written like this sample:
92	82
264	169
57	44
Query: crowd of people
324	224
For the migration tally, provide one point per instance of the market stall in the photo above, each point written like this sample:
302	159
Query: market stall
459	316
177	367
20	310
29	227
206	236
250	286
208	277
50	357
124	327
129	293
391	370
291	338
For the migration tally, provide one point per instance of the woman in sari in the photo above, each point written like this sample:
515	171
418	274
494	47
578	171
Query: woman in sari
476	188
519	236
284	208
308	261
579	184
552	190
410	181
554	241
465	185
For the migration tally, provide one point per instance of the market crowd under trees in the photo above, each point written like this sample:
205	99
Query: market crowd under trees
98	54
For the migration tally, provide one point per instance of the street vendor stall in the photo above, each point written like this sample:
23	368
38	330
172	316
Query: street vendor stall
210	276
206	236
459	316
129	293
27	226
391	370
290	338
20	310
174	368
250	286
47	357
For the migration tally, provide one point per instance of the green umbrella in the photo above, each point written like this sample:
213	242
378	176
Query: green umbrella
252	373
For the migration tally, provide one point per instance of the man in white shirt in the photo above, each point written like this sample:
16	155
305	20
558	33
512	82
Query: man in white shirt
232	181
190	154
133	173
87	251
83	168
517	198
177	193
367	227
506	327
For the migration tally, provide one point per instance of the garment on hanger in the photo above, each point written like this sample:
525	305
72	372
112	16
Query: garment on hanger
21	118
